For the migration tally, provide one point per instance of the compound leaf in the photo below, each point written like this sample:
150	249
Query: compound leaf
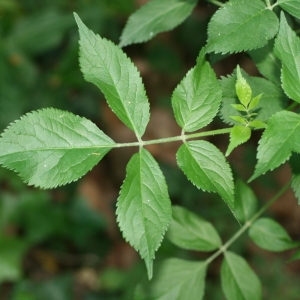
245	201
227	27
287	49
242	88
291	6
239	282
269	235
277	142
238	135
176	279
189	231
197	98
144	208
107	66
51	147
205	166
154	17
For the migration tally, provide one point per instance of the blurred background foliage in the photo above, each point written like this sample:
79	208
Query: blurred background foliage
65	243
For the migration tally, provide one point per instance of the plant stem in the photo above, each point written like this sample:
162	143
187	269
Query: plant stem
215	2
248	224
292	106
174	138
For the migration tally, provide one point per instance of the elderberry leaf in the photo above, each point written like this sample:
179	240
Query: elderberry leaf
295	166
154	17
291	6
176	279
270	235
188	231
267	63
238	135
50	147
245	201
227	27
277	142
272	100
108	67
238	279
144	208
287	49
197	98
206	167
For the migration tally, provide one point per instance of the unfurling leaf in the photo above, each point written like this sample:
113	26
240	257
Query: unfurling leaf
191	232
144	208
238	135
51	147
242	88
108	67
206	167
197	98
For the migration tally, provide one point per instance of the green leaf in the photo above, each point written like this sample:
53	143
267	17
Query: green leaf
254	102
189	231
277	142
154	17
51	147
272	100
291	6
105	65
267	63
239	282
269	235
144	208
205	166
227	27
242	88
238	119
197	98
295	166
245	201
287	48
296	256
256	124
176	279
238	135
239	107
12	251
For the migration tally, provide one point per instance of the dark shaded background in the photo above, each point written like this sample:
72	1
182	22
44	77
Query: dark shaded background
64	243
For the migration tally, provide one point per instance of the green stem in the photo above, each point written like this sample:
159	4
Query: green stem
175	138
215	2
292	106
248	224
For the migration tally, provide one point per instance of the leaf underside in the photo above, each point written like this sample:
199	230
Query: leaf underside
51	147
